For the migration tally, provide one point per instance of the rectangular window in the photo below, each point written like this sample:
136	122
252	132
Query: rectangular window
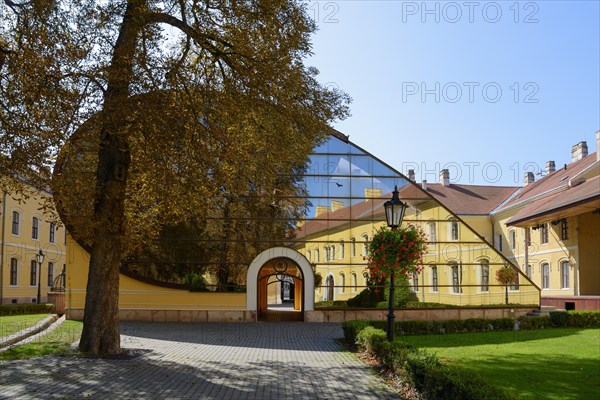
52	232
34	228
432	232
513	239
564	275
434	279
545	276
564	229
14	265
15	223
50	274
544	233
33	276
455	279
485	277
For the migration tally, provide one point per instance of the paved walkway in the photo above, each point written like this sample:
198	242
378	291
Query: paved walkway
204	361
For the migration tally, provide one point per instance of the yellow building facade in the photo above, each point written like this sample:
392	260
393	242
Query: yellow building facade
25	231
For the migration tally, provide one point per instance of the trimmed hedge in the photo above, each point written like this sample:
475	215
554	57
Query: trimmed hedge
25	309
429	375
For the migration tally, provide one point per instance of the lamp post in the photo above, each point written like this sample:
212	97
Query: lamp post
39	257
394	214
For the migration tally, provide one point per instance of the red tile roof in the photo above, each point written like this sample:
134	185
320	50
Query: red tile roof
550	182
470	199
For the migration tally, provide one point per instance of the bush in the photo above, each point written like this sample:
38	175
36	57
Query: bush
331	303
401	291
195	282
440	381
434	379
26	309
351	329
558	318
583	319
534	322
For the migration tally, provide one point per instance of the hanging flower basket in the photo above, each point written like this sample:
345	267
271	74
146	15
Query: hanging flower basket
398	252
507	276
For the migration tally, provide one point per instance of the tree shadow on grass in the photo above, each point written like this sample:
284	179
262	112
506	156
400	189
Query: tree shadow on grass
290	336
149	377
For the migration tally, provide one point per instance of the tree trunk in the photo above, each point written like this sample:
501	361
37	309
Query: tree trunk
100	334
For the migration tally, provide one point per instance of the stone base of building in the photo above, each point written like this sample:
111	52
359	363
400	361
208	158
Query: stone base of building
579	303
426	314
321	315
176	315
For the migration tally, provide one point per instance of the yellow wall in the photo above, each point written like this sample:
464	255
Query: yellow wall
23	248
554	253
467	253
588	237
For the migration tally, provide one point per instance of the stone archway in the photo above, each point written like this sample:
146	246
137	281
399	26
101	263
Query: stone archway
252	279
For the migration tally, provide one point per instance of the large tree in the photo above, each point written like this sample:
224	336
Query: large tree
226	77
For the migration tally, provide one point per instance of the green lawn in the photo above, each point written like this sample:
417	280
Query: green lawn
534	364
56	342
14	323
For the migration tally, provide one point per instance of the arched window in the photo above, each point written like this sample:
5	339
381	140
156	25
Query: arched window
342	250
33	274
365	244
52	232
455	278
545	276
485	275
309	255
14	270
35	228
415	283
354	282
332	253
434	278
431	231
528	271
453	229
513	239
329	285
565	269
50	274
352	247
15	222
317	255
343	282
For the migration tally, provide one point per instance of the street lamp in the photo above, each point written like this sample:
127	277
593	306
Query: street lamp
39	257
394	214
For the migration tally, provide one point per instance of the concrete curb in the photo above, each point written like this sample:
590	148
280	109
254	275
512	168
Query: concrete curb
25	333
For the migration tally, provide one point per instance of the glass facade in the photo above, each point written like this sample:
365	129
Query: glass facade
327	211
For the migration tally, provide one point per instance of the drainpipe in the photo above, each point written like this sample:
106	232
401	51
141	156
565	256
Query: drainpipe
2	246
526	247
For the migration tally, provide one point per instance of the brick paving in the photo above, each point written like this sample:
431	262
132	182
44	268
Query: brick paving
204	361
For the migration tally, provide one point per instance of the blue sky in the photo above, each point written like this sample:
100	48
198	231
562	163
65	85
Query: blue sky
490	90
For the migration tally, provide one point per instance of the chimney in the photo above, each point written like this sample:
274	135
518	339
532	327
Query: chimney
445	177
550	167
411	173
321	210
372	193
529	178
597	145
579	151
424	185
337	205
